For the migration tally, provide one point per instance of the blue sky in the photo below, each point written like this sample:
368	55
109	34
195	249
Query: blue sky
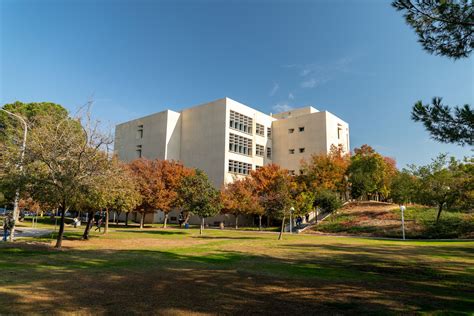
356	59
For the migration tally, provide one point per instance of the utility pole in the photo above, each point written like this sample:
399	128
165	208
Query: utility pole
16	211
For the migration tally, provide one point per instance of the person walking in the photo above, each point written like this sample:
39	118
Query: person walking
8	223
98	224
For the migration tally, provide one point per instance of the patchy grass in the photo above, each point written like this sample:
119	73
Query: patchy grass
384	220
173	271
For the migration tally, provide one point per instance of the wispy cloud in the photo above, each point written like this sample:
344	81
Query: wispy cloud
317	74
313	82
282	107
275	88
291	96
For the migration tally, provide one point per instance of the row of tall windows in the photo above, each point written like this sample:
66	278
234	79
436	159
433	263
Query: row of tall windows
244	123
240	145
241	122
239	167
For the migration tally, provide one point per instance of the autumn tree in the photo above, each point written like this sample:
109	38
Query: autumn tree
273	188
444	28
327	171
303	199
171	174
199	196
238	198
150	185
158	182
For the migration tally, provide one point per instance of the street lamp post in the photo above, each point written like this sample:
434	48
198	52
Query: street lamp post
292	209
16	211
402	209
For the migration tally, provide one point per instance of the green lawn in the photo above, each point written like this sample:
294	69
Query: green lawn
175	271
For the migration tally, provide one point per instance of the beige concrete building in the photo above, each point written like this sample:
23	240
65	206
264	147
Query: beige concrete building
227	139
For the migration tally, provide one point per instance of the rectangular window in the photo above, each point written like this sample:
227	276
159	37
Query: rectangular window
260	129
240	122
140	131
269	153
139	151
239	167
301	128
291	130
291	151
257	167
269	132
260	150
240	145
301	150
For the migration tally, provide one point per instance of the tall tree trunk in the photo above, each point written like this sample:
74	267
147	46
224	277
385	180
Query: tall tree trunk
280	237
118	216
59	240
106	229
126	219
142	220
236	221
165	221
440	209
259	222
88	227
202	226
186	218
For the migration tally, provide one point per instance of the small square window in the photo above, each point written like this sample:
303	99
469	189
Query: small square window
291	131
291	151
301	128
301	150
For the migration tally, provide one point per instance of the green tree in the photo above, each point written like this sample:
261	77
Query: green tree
439	183
327	200
199	196
445	28
404	187
370	173
63	159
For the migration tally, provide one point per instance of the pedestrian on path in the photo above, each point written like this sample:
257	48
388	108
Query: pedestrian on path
8	223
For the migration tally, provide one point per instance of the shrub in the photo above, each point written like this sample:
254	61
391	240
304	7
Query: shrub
328	200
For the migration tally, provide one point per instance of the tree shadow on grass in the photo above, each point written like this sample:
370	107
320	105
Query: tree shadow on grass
228	237
154	232
224	282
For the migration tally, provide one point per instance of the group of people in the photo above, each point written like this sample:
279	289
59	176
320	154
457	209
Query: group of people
8	224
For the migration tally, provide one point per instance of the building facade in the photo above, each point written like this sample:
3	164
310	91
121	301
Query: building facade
227	139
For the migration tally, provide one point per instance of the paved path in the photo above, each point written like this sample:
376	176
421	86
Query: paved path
21	232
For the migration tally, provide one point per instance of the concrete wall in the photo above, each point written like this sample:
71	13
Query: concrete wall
333	123
153	142
203	139
312	139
